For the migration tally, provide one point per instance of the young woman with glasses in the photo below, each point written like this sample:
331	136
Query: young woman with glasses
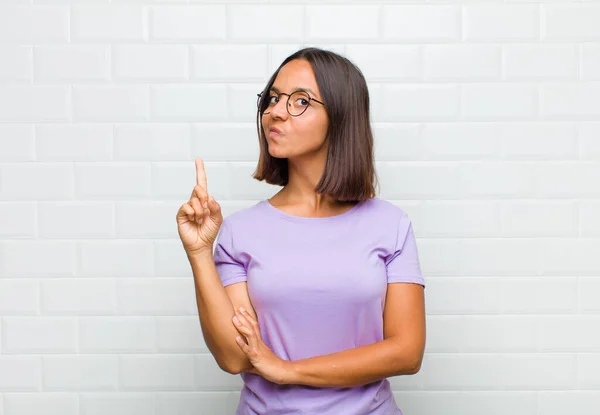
315	296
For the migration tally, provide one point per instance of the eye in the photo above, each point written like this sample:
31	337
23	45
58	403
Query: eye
303	101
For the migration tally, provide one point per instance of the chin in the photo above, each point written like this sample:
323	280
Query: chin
274	153
278	156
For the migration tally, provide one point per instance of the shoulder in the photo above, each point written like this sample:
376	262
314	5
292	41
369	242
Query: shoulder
384	209
242	216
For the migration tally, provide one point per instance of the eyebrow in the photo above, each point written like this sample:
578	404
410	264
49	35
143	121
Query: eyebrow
298	88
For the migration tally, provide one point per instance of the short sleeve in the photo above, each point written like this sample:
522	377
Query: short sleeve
403	264
229	268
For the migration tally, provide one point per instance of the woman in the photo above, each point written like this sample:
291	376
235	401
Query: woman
314	296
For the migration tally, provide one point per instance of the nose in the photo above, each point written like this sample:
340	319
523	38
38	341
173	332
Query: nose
279	110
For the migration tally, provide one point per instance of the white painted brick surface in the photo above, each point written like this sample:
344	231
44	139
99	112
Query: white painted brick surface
145	220
347	22
160	297
104	23
109	181
247	23
421	23
189	23
461	62
590	61
540	62
500	22
20	373
73	142
589	145
19	297
38	258
34	103
170	259
158	142
24	23
495	101
39	335
58	220
486	123
570	21
570	101
238	141
129	258
157	372
123	403
16	219
106	103
17	142
71	63
402	62
179	334
80	373
197	403
210	377
221	62
418	102
117	335
189	102
17	64
150	63
78	296
41	403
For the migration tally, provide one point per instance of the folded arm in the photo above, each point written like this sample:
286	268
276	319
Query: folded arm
400	353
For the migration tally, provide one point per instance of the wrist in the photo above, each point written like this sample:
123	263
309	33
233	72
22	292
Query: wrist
292	376
200	255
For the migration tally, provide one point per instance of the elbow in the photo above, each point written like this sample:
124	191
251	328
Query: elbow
229	368
226	364
415	368
409	365
235	367
415	365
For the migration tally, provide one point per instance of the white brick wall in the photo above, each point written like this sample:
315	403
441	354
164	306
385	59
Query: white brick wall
486	117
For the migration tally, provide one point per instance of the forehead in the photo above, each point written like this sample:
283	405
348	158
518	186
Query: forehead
296	74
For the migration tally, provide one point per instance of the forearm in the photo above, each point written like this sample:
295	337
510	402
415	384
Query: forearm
354	367
216	313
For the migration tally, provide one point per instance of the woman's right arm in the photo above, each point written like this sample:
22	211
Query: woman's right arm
216	311
198	224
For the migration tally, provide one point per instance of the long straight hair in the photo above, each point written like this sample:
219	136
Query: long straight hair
349	168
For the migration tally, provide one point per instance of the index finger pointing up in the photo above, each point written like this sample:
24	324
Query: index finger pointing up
201	174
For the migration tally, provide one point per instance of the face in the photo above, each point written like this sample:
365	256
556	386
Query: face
300	135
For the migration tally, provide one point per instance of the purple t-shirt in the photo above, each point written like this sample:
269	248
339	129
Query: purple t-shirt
318	286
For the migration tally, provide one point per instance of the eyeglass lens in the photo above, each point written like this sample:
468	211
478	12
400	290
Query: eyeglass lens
296	104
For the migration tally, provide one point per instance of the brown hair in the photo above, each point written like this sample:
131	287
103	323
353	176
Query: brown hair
349	169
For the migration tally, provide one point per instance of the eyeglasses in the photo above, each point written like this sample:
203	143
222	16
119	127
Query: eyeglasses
296	103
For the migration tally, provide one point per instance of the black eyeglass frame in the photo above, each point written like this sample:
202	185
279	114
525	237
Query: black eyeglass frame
287	104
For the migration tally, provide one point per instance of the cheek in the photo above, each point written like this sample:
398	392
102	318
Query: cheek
313	128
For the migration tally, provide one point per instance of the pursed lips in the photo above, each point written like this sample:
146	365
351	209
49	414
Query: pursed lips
274	131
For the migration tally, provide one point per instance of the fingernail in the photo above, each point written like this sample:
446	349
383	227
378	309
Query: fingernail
236	320
242	309
205	204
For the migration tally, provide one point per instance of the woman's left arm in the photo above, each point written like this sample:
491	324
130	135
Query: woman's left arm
400	353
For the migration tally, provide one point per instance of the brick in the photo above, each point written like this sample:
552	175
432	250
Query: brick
71	63
102	23
188	23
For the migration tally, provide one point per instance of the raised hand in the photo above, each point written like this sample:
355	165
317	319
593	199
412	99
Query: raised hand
199	219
